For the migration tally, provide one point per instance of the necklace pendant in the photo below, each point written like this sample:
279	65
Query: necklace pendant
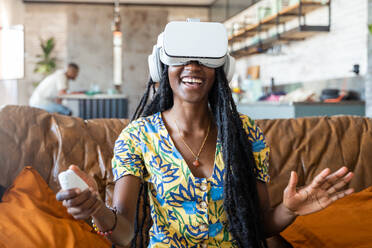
196	162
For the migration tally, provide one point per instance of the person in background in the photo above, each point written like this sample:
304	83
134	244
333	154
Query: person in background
46	95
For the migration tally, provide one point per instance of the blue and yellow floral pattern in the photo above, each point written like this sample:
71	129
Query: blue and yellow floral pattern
186	210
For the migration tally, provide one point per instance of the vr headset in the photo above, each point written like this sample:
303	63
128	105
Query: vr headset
182	42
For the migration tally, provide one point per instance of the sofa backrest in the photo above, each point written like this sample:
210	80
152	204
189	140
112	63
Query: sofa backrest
51	142
309	145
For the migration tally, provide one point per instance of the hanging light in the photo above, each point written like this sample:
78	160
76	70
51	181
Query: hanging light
117	47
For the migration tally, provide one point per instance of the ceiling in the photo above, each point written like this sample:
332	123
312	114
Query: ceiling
134	2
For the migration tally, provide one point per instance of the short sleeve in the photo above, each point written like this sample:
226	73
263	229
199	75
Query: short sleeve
259	148
128	158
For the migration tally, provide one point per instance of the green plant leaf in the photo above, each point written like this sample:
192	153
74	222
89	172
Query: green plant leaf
52	64
43	47
46	64
35	84
370	28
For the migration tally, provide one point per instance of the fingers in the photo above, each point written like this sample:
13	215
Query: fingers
79	172
341	194
81	205
340	184
87	179
89	212
334	177
84	207
79	199
75	168
320	178
291	187
67	194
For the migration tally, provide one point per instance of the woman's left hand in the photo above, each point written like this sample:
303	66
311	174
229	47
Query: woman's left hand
323	190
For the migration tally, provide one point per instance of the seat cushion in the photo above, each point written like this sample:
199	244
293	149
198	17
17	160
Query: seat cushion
32	217
345	223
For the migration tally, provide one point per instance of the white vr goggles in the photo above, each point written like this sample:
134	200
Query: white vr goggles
182	42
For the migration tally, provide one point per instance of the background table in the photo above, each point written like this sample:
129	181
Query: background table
98	106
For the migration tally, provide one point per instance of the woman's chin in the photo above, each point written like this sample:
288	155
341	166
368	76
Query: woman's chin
195	99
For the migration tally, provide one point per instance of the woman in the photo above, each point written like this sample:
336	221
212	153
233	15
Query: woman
204	167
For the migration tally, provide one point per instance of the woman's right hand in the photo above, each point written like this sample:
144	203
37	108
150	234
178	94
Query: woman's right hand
81	204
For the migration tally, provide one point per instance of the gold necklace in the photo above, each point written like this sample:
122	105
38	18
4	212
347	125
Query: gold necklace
196	163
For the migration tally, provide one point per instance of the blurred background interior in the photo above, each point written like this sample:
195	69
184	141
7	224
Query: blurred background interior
294	57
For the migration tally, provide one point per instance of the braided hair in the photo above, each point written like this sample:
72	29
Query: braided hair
241	200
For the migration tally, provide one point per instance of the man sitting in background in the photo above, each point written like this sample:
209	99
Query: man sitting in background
46	95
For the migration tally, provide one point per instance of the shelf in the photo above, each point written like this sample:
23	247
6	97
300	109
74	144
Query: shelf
287	14
303	32
299	33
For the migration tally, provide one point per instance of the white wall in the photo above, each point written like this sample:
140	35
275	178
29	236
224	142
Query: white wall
324	56
11	13
9	92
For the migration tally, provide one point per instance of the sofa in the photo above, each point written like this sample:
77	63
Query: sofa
45	144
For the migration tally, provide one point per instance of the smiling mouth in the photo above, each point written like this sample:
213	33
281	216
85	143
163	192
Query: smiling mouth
192	81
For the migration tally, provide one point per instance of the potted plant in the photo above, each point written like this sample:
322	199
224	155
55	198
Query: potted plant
47	64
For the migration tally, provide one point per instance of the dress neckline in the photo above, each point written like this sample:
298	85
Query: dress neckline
165	130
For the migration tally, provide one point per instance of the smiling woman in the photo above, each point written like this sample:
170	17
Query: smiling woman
219	201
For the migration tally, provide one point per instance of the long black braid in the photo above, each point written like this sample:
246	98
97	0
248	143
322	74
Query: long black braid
241	200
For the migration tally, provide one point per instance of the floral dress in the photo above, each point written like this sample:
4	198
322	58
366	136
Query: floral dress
187	211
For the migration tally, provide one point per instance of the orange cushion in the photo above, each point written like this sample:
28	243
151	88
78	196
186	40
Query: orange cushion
32	217
345	223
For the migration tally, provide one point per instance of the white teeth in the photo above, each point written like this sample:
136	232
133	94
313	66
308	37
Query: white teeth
192	80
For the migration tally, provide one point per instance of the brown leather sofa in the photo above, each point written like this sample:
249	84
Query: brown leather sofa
51	142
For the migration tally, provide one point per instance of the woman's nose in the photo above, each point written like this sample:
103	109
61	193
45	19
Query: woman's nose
195	65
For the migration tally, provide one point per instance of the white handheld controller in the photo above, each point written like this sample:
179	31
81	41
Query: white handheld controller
68	180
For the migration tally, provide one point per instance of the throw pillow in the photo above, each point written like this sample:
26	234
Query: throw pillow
345	223
30	216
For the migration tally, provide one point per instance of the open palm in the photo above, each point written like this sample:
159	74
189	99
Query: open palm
320	193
